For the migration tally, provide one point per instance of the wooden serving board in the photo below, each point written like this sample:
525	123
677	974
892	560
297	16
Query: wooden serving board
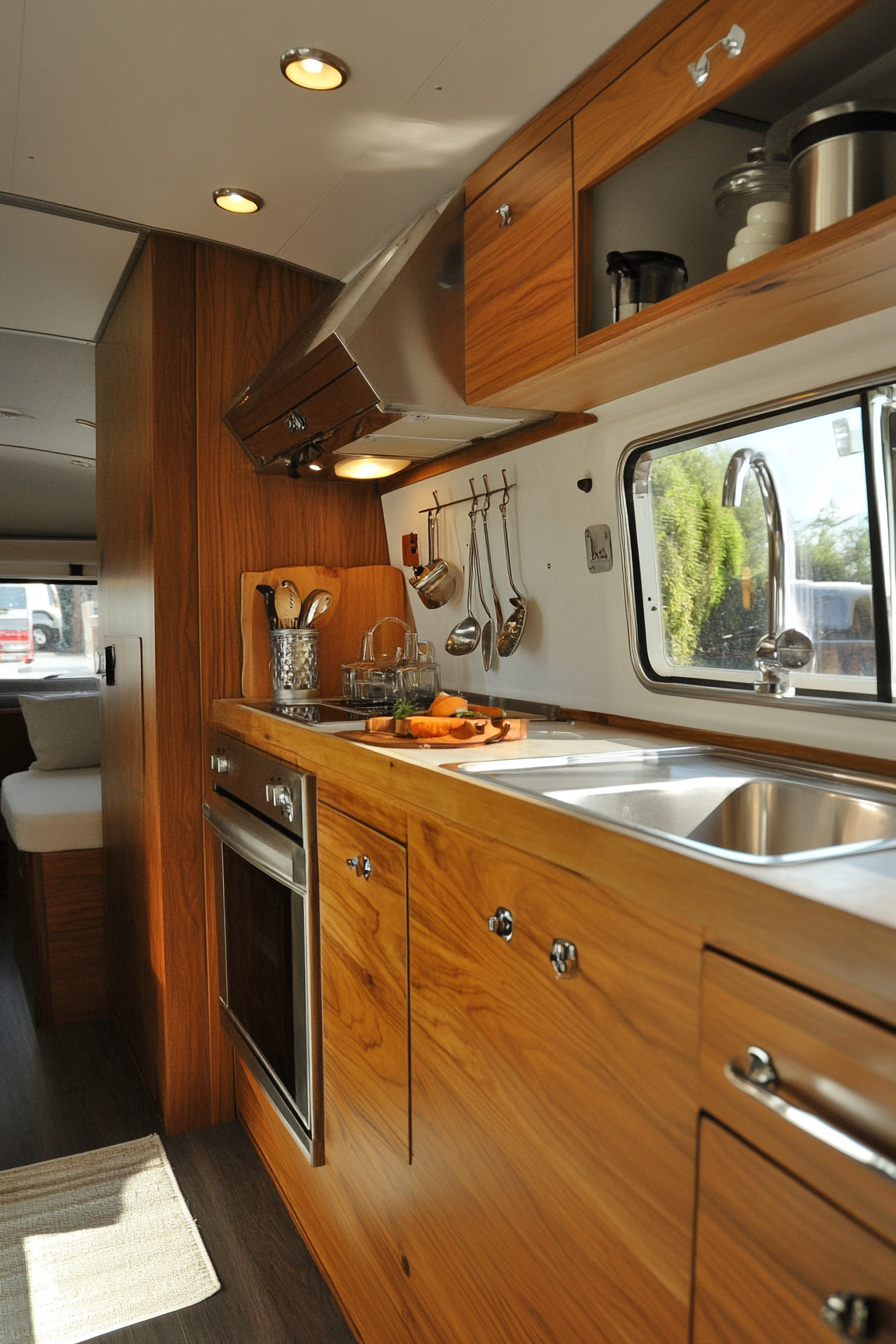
360	596
384	738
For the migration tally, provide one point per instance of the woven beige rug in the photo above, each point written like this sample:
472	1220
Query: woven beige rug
94	1243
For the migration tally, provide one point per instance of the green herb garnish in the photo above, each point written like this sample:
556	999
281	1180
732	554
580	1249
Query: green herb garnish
403	709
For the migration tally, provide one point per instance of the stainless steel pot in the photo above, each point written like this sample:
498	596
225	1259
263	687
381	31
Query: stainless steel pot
844	159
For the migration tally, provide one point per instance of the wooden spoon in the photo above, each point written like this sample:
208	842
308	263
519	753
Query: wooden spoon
289	604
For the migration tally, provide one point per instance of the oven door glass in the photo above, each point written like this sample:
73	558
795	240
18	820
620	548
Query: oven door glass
265	965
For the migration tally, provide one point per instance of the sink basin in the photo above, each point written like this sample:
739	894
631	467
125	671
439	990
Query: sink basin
753	808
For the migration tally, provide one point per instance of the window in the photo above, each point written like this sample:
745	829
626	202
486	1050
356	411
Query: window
792	510
47	629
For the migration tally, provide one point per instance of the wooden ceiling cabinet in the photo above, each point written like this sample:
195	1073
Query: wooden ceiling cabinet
519	351
520	281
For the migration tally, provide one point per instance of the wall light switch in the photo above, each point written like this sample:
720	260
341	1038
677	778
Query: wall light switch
598	549
410	554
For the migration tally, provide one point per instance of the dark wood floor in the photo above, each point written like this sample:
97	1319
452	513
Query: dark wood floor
70	1089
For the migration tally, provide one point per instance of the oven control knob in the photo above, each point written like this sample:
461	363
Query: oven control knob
279	796
220	764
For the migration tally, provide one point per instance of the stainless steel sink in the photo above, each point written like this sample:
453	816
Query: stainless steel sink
753	808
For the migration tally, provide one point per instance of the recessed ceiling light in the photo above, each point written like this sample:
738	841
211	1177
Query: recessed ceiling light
313	69
238	202
81	462
88	424
315	466
9	413
369	468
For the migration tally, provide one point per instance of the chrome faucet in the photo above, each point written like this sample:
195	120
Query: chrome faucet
780	650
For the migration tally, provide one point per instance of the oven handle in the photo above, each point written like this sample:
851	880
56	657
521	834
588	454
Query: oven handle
257	842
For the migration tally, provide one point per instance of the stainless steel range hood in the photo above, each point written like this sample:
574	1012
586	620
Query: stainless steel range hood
376	366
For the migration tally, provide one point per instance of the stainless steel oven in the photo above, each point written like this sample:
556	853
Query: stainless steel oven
262	813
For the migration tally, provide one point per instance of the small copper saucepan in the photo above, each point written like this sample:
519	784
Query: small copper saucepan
434	582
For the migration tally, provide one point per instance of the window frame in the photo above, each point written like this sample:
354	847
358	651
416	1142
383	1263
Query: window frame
881	489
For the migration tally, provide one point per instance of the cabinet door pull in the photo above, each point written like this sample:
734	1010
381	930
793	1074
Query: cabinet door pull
732	42
849	1316
759	1083
362	866
501	923
506	215
564	957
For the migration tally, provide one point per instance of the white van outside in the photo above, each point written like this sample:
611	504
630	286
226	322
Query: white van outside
37	604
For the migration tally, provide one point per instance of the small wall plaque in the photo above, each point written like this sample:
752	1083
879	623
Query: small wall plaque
598	549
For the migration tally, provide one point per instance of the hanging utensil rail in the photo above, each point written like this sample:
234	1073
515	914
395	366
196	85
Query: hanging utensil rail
504	490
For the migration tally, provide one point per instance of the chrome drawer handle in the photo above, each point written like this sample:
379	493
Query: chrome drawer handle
760	1083
506	215
732	42
362	866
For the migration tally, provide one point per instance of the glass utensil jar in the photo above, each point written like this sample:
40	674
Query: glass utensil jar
295	665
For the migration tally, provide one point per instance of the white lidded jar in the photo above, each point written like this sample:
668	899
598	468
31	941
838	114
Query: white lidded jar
763	179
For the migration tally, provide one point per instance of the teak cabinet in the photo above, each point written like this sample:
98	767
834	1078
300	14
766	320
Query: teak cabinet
517	1156
554	1116
520	280
799	1227
528	299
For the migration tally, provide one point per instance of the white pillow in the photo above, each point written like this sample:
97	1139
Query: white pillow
64	730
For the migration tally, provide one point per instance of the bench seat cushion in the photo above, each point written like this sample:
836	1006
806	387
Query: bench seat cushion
50	811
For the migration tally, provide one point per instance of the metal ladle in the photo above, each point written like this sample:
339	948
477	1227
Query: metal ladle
488	629
512	629
466	634
499	618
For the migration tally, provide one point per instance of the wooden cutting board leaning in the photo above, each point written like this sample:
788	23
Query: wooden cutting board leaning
360	596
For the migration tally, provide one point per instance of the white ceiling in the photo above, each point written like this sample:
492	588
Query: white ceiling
137	112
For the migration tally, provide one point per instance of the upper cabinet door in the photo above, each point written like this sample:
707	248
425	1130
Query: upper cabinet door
657	95
520	272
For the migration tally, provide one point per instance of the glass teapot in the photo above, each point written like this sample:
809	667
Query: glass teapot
382	678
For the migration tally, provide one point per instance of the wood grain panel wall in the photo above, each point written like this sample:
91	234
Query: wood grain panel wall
181	514
146	508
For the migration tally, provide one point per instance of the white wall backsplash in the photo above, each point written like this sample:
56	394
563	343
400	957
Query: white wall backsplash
575	649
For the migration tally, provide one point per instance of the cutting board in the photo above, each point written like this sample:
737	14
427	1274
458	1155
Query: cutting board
360	596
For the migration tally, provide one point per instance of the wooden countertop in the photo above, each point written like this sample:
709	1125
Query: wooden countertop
829	925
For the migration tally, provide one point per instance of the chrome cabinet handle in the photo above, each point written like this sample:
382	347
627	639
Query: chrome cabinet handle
564	957
362	866
506	216
759	1083
732	42
849	1316
296	422
501	923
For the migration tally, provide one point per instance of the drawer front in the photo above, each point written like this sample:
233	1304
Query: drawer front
770	1253
332	405
830	1063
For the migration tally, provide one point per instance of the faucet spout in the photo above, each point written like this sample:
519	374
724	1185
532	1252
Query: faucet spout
773	670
